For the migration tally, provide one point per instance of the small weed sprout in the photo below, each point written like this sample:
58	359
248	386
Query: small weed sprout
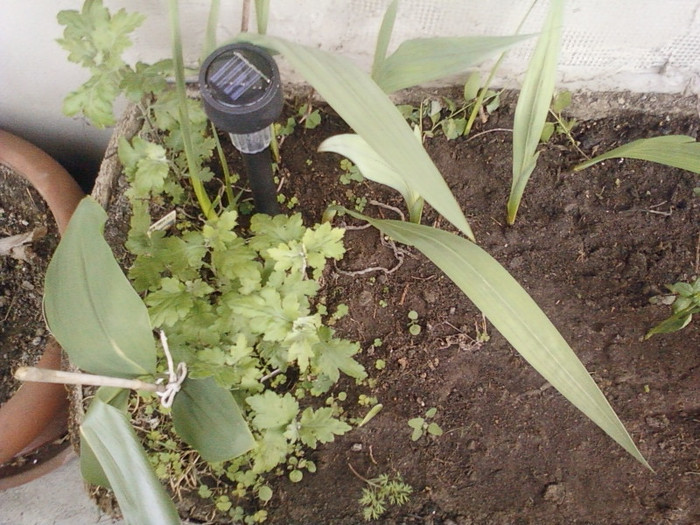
350	172
448	115
685	302
413	327
382	491
308	116
421	426
561	125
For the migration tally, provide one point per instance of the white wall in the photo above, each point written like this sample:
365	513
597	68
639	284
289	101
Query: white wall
637	45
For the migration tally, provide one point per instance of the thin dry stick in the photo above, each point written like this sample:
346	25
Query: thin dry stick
493	130
245	16
45	375
359	476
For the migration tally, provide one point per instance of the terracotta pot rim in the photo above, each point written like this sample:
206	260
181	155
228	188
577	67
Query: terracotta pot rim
37	413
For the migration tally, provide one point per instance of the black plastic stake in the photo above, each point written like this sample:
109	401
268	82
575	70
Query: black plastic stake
259	171
242	94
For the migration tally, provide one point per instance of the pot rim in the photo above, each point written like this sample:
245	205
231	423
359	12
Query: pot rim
37	413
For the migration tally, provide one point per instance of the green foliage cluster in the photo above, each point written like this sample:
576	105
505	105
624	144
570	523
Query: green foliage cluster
685	301
238	306
451	116
96	39
236	303
423	426
382	491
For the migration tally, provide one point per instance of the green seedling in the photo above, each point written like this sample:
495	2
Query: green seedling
309	117
449	115
365	400
561	125
380	492
286	129
370	415
350	172
422	426
413	327
685	301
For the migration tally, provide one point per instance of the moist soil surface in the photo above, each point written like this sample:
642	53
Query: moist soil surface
23	333
591	248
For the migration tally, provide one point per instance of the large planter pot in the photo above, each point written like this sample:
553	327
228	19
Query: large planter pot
37	412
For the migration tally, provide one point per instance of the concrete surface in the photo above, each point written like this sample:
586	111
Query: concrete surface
58	498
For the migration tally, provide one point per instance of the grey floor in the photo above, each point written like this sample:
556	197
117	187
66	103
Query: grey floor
57	498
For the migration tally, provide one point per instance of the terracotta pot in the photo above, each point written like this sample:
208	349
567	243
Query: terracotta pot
37	413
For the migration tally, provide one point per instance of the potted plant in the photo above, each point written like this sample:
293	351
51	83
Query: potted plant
37	413
182	146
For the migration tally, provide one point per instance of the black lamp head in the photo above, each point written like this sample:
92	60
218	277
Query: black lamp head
241	89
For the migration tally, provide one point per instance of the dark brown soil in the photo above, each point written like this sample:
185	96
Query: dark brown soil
22	329
591	248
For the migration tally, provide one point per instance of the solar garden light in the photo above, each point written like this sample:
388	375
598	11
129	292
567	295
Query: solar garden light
240	86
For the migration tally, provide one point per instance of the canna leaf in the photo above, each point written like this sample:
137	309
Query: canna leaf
262	14
89	305
142	499
515	315
679	151
362	104
207	417
533	105
90	467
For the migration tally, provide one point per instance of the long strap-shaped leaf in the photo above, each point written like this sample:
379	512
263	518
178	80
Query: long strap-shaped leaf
141	497
373	167
533	105
515	315
423	60
384	36
367	109
679	151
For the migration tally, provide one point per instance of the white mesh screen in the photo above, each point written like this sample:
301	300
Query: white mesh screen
638	45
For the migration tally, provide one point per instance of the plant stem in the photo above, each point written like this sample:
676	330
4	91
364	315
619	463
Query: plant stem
212	21
483	90
45	375
192	166
224	166
565	128
368	481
